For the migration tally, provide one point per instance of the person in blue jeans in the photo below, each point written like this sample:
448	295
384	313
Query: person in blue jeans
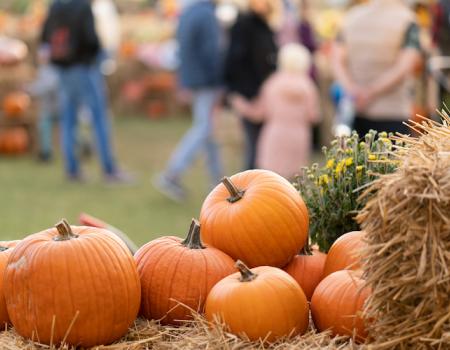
70	33
200	71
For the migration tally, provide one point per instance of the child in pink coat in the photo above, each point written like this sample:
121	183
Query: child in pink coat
289	106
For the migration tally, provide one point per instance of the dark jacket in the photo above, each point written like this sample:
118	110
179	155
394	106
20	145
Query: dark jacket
70	32
251	56
199	47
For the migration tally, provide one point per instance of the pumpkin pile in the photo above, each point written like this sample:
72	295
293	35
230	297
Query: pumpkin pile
407	257
246	266
13	141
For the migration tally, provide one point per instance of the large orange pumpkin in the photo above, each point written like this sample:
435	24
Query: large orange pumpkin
263	303
256	216
307	269
15	104
13	141
177	275
345	253
74	285
5	251
338	302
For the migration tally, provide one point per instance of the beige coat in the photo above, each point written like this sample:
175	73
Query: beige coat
289	105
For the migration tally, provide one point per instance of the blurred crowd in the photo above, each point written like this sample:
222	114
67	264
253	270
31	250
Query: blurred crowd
258	57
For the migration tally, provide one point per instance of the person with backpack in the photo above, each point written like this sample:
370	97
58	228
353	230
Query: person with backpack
69	31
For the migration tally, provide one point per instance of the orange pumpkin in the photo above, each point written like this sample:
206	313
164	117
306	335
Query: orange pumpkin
5	251
307	269
14	141
15	104
338	302
345	253
77	285
256	216
177	275
263	303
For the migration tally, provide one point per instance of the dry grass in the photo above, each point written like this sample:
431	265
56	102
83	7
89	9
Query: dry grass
407	262
195	335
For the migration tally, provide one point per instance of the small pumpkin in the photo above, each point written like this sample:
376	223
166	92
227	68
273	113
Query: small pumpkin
256	216
338	302
307	269
72	285
263	303
5	251
15	104
345	253
13	141
177	275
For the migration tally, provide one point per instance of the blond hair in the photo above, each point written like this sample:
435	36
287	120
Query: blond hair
294	58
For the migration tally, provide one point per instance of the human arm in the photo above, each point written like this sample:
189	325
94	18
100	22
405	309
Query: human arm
409	57
252	110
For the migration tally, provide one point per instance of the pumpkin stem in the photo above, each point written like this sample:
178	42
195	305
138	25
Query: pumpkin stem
2	249
236	194
193	239
65	231
246	274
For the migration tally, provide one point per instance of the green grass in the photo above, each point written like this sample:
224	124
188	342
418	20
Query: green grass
34	196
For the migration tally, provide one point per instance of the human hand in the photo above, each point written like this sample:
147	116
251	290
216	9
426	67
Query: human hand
238	102
363	97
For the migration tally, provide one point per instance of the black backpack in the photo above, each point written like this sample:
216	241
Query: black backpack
64	32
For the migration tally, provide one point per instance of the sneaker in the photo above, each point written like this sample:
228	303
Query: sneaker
44	157
76	178
120	178
169	188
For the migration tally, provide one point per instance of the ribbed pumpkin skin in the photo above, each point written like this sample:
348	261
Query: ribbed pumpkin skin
345	254
172	274
307	270
337	303
94	274
267	227
269	307
4	255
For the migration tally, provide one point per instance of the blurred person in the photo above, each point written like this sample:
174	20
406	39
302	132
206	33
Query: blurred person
70	32
200	72
376	72
46	87
250	60
289	106
287	32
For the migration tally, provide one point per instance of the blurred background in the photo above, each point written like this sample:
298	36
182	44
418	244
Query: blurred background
149	109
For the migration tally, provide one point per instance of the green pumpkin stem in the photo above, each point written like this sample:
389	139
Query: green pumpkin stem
236	194
193	239
64	231
246	274
2	249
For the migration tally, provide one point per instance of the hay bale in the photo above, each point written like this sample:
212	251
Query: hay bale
407	260
194	335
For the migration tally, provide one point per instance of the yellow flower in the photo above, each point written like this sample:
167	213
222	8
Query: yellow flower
330	163
324	179
349	151
339	168
349	162
386	140
359	168
372	157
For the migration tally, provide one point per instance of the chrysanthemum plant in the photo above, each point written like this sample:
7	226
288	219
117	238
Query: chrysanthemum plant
331	192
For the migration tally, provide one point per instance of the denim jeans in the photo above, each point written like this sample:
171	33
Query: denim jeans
84	85
199	138
45	127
